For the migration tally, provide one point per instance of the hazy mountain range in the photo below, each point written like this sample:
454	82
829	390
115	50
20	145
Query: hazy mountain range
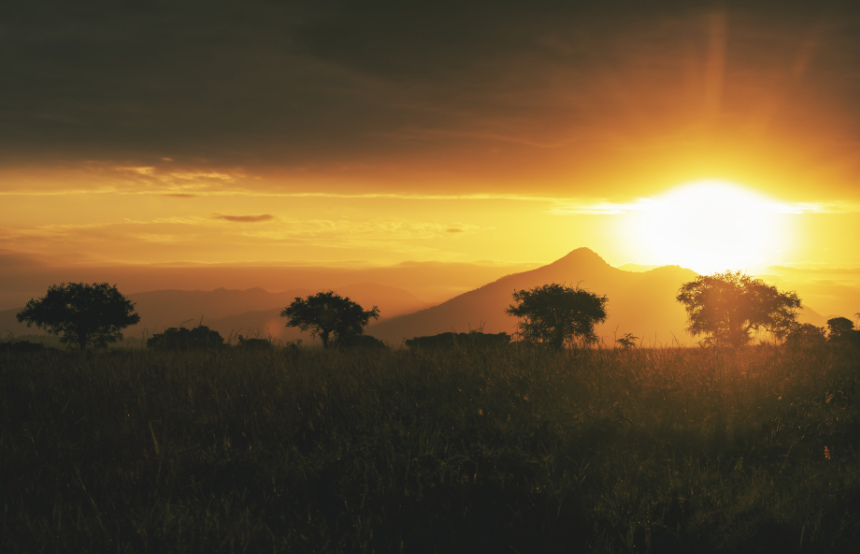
641	302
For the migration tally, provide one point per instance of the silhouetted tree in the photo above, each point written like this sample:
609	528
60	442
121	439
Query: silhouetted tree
841	329
554	313
81	313
627	341
326	314
727	307
198	338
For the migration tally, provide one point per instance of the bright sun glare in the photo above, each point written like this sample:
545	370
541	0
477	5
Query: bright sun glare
710	226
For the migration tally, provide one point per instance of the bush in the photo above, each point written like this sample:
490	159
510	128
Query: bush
199	338
362	341
473	339
253	344
21	346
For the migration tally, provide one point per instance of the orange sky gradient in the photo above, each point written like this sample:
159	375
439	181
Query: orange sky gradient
481	133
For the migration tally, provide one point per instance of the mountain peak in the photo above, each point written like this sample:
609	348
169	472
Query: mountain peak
582	257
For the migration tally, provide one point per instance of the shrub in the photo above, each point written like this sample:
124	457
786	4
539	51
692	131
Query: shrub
361	341
199	338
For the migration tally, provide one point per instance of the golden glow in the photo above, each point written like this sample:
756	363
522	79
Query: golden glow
710	226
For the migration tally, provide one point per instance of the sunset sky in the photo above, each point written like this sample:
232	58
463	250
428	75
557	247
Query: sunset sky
710	135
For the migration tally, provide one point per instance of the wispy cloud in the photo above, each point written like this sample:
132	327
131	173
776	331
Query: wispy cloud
647	204
245	218
594	208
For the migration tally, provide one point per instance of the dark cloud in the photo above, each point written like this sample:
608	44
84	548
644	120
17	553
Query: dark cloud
454	230
390	89
246	218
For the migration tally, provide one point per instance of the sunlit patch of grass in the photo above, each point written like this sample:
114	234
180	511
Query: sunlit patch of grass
467	450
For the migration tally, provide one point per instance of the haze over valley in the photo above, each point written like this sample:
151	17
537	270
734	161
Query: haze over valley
641	301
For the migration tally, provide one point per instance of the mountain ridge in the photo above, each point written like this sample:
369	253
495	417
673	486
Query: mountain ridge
640	302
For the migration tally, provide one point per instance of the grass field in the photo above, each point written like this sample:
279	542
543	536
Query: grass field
657	450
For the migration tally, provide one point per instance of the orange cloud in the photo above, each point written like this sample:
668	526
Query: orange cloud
246	218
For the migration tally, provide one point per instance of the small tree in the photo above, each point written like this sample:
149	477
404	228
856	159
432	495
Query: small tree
554	313
82	314
727	307
840	329
326	314
627	341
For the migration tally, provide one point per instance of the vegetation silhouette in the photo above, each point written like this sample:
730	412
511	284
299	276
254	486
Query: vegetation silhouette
841	331
727	307
198	338
553	314
806	336
473	339
254	343
363	342
326	314
21	346
82	314
628	340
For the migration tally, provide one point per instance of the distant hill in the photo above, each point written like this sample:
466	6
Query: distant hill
252	312
640	302
26	276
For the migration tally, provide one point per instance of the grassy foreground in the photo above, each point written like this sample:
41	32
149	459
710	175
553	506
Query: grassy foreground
497	451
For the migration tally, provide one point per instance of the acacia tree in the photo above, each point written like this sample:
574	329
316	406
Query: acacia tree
81	313
727	307
326	314
553	313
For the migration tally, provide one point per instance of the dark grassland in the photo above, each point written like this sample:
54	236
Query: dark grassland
664	450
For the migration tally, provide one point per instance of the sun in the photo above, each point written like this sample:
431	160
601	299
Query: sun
709	226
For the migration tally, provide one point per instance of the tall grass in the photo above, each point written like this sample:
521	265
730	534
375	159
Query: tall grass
460	451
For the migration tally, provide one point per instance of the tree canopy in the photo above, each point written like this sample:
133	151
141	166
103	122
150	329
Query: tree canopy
327	314
840	329
81	313
553	314
727	307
